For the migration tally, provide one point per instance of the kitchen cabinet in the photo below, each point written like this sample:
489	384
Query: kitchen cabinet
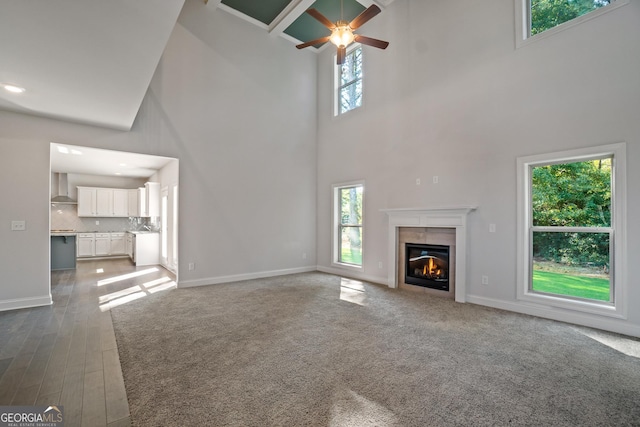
133	207
63	251
86	244
120	202
128	244
149	199
86	201
146	248
117	244
103	244
104	202
95	201
153	198
107	202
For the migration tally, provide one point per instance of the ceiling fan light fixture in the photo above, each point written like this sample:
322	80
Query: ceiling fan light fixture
342	35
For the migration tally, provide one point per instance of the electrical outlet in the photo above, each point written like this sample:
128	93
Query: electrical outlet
18	225
379	264
417	181
492	228
436	179
485	280
304	255
97	222
192	266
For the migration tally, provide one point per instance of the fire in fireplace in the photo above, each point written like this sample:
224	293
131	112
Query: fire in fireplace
427	265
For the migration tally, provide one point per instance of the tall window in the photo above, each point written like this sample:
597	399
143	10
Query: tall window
571	229
540	16
348	203
572	234
349	82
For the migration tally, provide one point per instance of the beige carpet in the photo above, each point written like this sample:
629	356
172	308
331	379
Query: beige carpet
317	350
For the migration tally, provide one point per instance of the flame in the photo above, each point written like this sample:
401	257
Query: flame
431	268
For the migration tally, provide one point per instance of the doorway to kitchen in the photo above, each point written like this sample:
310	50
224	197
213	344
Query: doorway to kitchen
127	180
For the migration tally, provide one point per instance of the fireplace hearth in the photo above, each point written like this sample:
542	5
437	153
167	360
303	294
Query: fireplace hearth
427	265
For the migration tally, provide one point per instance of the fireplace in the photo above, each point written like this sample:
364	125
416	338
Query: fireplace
427	265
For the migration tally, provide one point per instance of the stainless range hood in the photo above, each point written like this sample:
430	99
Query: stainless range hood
60	189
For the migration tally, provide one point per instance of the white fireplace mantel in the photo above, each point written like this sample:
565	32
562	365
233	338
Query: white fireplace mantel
442	217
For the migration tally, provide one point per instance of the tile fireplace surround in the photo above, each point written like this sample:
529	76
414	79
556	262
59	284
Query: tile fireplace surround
444	217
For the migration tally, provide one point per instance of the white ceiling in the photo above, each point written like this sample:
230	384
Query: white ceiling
85	61
95	161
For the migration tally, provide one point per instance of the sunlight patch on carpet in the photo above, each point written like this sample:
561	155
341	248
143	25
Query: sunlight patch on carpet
624	345
351	409
353	291
114	299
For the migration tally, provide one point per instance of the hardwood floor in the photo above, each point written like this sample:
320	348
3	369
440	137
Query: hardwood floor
66	354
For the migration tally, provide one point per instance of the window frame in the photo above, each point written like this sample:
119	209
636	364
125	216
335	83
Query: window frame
337	224
337	87
616	308
523	21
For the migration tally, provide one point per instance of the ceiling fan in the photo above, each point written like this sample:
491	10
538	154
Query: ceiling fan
342	32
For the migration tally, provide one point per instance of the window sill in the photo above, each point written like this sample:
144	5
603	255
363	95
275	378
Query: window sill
346	266
558	302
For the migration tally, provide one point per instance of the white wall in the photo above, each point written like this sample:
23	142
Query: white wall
243	127
453	97
24	255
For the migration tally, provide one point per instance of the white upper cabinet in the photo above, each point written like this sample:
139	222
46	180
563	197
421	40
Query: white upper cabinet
134	206
153	198
86	201
104	202
120	202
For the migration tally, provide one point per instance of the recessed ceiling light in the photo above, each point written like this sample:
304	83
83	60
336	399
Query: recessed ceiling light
13	88
63	150
123	164
118	173
76	152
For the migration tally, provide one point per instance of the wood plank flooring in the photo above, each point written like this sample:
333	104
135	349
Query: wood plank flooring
66	354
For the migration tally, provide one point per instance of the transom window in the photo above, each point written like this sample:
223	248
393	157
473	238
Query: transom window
549	16
349	82
571	226
348	211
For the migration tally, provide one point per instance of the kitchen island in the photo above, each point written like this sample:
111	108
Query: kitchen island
63	250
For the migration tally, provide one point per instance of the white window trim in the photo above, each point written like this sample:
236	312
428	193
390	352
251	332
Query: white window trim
336	82
522	21
335	206
619	217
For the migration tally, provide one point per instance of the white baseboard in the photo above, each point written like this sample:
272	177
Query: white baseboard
592	321
18	303
241	277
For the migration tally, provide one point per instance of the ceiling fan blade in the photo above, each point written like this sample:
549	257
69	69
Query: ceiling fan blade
366	15
313	42
380	44
342	53
320	17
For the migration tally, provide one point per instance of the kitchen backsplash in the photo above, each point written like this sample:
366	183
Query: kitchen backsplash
65	217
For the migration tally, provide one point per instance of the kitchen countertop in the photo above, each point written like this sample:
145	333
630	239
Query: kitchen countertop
63	233
75	233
